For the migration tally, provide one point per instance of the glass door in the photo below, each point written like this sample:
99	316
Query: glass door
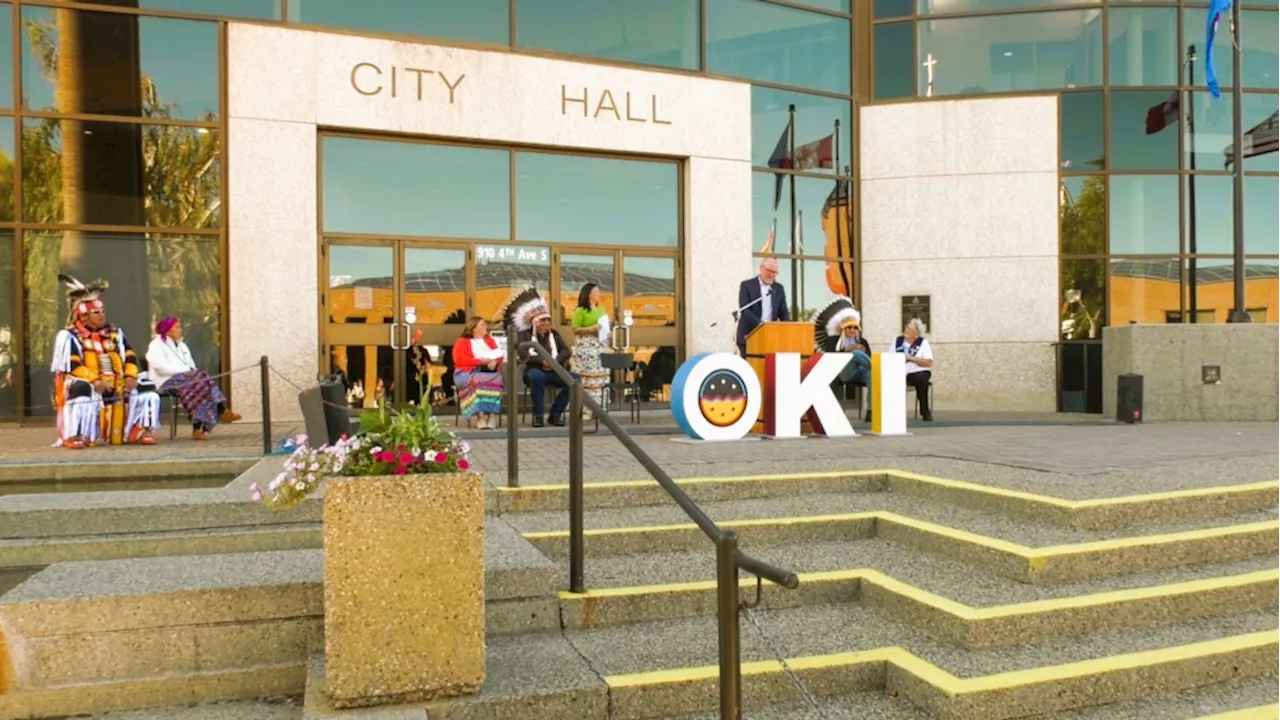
393	310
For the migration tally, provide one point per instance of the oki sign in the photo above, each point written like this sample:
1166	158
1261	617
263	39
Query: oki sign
717	396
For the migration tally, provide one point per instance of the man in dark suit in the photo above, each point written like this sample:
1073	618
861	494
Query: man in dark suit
772	307
539	376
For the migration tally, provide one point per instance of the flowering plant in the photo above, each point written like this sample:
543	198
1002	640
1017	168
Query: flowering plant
388	443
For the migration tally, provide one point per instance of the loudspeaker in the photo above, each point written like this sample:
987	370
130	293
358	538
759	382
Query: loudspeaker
1129	398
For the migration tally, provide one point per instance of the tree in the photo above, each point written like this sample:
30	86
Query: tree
1083	231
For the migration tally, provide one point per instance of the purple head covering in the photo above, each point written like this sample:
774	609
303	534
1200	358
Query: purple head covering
164	326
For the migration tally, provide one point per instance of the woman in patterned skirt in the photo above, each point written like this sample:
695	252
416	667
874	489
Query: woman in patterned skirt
477	373
588	319
172	369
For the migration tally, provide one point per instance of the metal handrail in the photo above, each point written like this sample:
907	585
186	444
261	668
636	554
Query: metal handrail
729	558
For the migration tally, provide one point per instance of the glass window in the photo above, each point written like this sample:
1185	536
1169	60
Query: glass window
893	8
1213	292
435	285
656	32
126	174
123	65
480	21
821	213
895	60
837	5
1081	132
776	44
406	188
152	276
597	201
1210	147
1258	47
1214	228
10	395
1142	218
1035	51
360	282
1083	212
6	56
254	9
649	287
578	270
1084	300
7	213
1144	46
502	270
815	122
1143	290
1143	136
937	7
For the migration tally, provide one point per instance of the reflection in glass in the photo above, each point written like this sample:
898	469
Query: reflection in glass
892	8
593	200
649	287
816	283
408	188
1215	223
7	156
656	32
822	213
1030	51
360	284
1212	139
124	64
1259	29
368	372
152	276
1082	211
1144	46
176	168
1142	218
578	270
894	61
480	21
815	120
10	396
776	44
1212	296
1084	305
6	56
1143	290
1081	131
1132	148
931	7
435	285
837	5
254	9
503	270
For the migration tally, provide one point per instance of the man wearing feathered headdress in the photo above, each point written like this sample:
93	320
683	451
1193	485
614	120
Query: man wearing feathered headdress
838	328
97	391
529	315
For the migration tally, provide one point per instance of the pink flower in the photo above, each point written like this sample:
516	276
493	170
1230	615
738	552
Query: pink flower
442	458
463	464
405	458
401	470
256	492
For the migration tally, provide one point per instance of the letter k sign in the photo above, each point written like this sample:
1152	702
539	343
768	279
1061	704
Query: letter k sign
795	393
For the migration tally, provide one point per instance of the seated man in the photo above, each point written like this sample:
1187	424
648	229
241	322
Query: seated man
529	315
838	329
97	390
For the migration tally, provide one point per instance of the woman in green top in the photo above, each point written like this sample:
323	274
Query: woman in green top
587	344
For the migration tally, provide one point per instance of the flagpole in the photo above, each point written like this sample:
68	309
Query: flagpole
1191	183
1238	312
791	152
835	168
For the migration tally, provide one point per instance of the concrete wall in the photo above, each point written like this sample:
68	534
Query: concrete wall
960	202
284	84
1170	358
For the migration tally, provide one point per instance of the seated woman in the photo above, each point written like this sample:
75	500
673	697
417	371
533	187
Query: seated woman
477	373
919	363
172	369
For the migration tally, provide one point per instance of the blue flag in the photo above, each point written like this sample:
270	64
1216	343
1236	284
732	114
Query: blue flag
1216	9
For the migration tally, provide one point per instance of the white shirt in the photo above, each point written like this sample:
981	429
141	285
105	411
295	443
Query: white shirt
166	358
481	351
766	302
924	352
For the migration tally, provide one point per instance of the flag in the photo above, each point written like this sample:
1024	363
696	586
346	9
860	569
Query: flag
1162	115
781	158
768	241
817	154
1216	9
1260	140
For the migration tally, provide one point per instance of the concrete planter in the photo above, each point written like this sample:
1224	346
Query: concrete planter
403	588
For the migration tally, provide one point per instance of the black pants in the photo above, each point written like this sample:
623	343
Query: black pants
920	381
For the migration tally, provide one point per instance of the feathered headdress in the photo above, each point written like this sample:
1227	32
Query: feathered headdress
82	298
839	313
524	309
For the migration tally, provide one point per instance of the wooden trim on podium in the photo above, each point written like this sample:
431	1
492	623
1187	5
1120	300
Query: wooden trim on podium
778	337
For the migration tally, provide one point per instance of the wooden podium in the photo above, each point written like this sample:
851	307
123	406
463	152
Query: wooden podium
778	337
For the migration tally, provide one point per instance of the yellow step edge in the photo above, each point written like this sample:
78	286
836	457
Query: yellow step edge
965	612
1057	502
1262	712
1139	540
951	685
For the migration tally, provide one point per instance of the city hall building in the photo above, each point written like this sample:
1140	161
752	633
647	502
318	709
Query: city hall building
329	183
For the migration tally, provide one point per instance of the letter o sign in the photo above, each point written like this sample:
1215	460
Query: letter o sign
716	396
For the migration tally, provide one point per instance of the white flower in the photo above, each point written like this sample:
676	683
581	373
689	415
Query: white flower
300	485
275	484
314	466
376	449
